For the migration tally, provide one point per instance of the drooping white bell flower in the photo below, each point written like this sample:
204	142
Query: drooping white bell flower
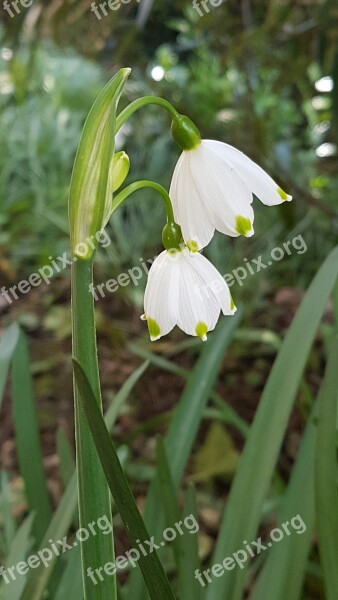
212	188
185	289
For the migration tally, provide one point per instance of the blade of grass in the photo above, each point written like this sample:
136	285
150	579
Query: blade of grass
189	589
150	565
167	493
19	548
27	439
123	393
184	426
228	414
65	454
326	476
62	518
71	582
251	482
59	525
8	521
8	342
283	573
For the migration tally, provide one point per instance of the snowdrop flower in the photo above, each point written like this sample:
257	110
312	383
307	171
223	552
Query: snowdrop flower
212	188
185	289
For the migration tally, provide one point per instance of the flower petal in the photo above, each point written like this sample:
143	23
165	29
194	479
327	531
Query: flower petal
213	283
199	309
189	210
226	198
257	180
162	295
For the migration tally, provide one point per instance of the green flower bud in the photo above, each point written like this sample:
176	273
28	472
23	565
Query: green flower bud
172	236
118	172
185	133
120	166
91	177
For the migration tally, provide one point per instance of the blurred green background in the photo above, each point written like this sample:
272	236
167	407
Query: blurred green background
261	75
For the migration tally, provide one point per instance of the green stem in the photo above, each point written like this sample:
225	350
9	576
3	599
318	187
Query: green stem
94	498
140	103
138	185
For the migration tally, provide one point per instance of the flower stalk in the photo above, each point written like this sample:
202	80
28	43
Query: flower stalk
94	498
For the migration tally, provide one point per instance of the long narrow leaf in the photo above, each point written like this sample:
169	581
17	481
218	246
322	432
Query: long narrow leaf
167	492
27	439
58	527
150	565
184	426
250	485
8	343
189	587
228	414
71	582
326	476
11	589
63	516
284	570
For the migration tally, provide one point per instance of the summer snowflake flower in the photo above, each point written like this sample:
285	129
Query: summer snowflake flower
185	289
212	188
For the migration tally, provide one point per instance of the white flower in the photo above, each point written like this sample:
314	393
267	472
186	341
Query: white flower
185	289
212	188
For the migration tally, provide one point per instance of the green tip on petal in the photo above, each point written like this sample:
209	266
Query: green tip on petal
232	304
154	329
243	225
202	330
192	245
284	196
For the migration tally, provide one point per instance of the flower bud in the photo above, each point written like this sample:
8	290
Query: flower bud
118	172
120	166
185	133
91	178
172	236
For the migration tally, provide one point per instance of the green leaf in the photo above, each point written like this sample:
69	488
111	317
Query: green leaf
251	482
6	512
91	186
59	525
184	426
71	583
63	516
326	475
167	493
8	342
150	565
225	412
189	588
123	393
65	454
283	573
18	551
27	439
